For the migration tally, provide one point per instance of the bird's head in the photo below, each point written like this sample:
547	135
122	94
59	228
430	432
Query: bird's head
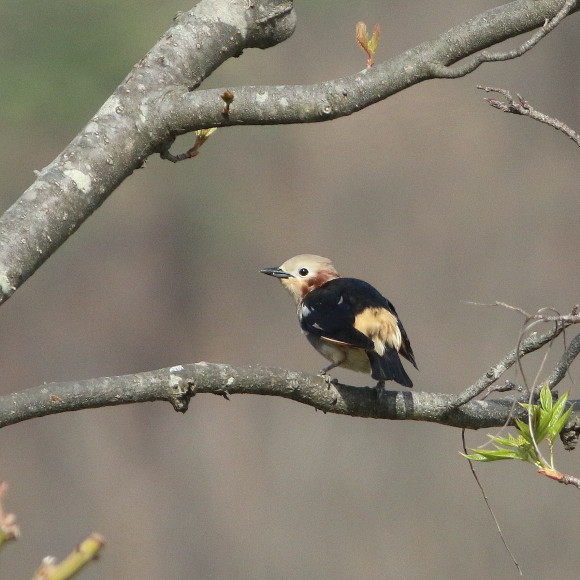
301	274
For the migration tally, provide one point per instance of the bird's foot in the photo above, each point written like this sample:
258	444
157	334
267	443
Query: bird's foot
329	380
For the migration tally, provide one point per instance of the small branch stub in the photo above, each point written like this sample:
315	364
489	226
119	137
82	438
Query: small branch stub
228	98
201	136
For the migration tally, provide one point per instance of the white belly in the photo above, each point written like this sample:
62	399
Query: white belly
355	359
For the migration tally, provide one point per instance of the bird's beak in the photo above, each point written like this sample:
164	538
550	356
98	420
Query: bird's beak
276	272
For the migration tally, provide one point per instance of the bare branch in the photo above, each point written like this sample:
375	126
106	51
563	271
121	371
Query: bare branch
564	363
460	71
572	318
522	107
130	127
158	100
320	102
178	384
571	433
526	346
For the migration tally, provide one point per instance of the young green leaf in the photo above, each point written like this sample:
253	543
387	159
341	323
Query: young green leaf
368	45
546	398
558	424
545	421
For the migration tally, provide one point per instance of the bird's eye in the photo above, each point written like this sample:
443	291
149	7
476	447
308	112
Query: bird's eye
303	271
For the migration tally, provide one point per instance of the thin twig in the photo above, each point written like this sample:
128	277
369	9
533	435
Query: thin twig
525	346
522	107
526	327
528	345
560	477
488	505
572	318
564	363
201	136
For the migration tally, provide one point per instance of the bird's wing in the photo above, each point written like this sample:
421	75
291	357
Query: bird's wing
327	312
336	306
369	297
405	349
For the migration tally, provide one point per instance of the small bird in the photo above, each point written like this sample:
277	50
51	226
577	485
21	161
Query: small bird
346	320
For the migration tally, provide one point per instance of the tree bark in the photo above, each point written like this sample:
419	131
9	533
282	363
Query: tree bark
158	101
178	384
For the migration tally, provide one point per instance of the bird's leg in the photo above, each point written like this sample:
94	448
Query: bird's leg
329	368
329	380
323	373
380	388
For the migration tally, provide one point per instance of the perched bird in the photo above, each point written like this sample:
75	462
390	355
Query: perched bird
346	320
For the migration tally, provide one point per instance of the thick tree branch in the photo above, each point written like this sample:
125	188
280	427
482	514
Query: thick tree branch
158	101
338	98
178	384
130	127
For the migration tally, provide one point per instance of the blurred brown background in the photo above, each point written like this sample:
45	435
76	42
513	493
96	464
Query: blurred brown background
432	196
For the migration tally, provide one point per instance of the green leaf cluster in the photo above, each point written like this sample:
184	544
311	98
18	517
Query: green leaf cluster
546	420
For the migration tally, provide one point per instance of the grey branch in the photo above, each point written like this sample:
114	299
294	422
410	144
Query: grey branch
337	98
566	8
179	384
565	361
572	318
527	345
158	100
522	107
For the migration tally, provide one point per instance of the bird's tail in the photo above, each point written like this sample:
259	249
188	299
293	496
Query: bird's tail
389	367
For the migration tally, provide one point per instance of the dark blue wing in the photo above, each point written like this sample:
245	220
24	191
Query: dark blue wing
328	312
363	295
